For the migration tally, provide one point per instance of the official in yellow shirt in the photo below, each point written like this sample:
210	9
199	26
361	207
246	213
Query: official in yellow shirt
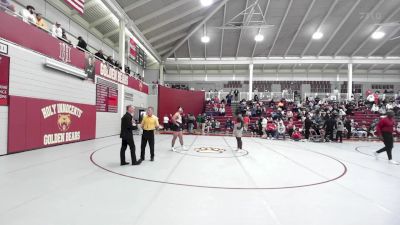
149	125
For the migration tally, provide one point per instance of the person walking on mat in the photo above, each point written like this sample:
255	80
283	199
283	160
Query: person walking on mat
384	129
149	125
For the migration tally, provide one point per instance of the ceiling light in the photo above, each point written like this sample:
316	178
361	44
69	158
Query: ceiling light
317	35
206	2
259	37
378	35
205	39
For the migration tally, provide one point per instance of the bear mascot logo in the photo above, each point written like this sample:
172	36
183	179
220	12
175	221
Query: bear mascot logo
63	122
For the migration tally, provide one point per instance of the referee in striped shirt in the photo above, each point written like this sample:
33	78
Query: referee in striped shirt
149	125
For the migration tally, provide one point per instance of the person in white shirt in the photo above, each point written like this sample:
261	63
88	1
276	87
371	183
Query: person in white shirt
264	123
389	106
165	122
56	30
222	111
28	14
375	108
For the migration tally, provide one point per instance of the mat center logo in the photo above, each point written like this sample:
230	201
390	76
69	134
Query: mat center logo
209	150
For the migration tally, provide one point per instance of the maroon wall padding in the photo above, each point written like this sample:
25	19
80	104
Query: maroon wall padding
169	99
32	37
29	129
4	77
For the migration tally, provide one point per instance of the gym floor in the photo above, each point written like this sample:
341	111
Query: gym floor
271	182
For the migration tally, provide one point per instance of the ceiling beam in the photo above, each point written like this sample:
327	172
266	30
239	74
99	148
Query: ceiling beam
349	13
259	29
355	31
194	30
282	60
111	33
387	19
174	30
387	68
300	27
169	41
135	5
222	37
319	26
173	19
190	53
392	50
250	14
101	21
164	50
160	11
280	27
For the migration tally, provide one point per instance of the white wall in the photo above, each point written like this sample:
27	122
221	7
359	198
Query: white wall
30	78
3	129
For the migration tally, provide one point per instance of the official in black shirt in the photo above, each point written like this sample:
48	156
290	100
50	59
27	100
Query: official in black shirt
127	126
329	126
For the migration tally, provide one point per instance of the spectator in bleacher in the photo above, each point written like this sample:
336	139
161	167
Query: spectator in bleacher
389	106
6	4
40	21
264	123
374	108
271	130
56	30
222	110
329	126
228	125
290	127
229	99
28	14
246	122
281	129
256	98
64	36
127	70
82	44
236	93
110	60
207	126
307	126
100	55
348	126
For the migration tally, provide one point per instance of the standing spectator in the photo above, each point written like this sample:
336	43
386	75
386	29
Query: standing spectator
165	121
110	60
236	93
6	4
329	126
307	125
28	14
56	30
384	130
40	21
127	70
340	129
375	108
82	43
64	37
191	121
228	125
238	132
100	55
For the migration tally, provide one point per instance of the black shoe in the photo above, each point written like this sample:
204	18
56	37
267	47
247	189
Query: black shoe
137	163
152	159
141	159
124	163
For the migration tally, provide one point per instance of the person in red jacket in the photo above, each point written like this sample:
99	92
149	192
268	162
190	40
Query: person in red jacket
384	129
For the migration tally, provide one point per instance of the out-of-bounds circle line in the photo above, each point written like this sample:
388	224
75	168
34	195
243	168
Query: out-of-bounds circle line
224	187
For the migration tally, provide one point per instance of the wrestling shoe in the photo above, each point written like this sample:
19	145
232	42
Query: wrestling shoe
394	162
184	148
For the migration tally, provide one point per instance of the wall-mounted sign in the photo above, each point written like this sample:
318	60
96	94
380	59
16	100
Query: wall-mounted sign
3	49
106	96
4	77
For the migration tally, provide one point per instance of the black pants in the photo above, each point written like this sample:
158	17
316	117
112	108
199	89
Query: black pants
339	136
239	142
388	141
330	133
290	132
307	133
124	146
348	132
147	136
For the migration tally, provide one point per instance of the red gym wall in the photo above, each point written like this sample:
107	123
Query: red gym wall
169	99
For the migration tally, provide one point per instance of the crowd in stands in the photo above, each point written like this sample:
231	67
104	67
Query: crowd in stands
315	119
31	16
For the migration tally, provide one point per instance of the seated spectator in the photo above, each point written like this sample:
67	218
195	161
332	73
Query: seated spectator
213	125
6	5
290	127
246	122
296	136
28	14
40	22
56	30
110	60
281	130
228	125
389	106
375	108
100	55
222	111
217	125
208	126
82	44
271	130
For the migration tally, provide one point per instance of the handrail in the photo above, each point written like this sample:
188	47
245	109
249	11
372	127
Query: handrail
67	41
